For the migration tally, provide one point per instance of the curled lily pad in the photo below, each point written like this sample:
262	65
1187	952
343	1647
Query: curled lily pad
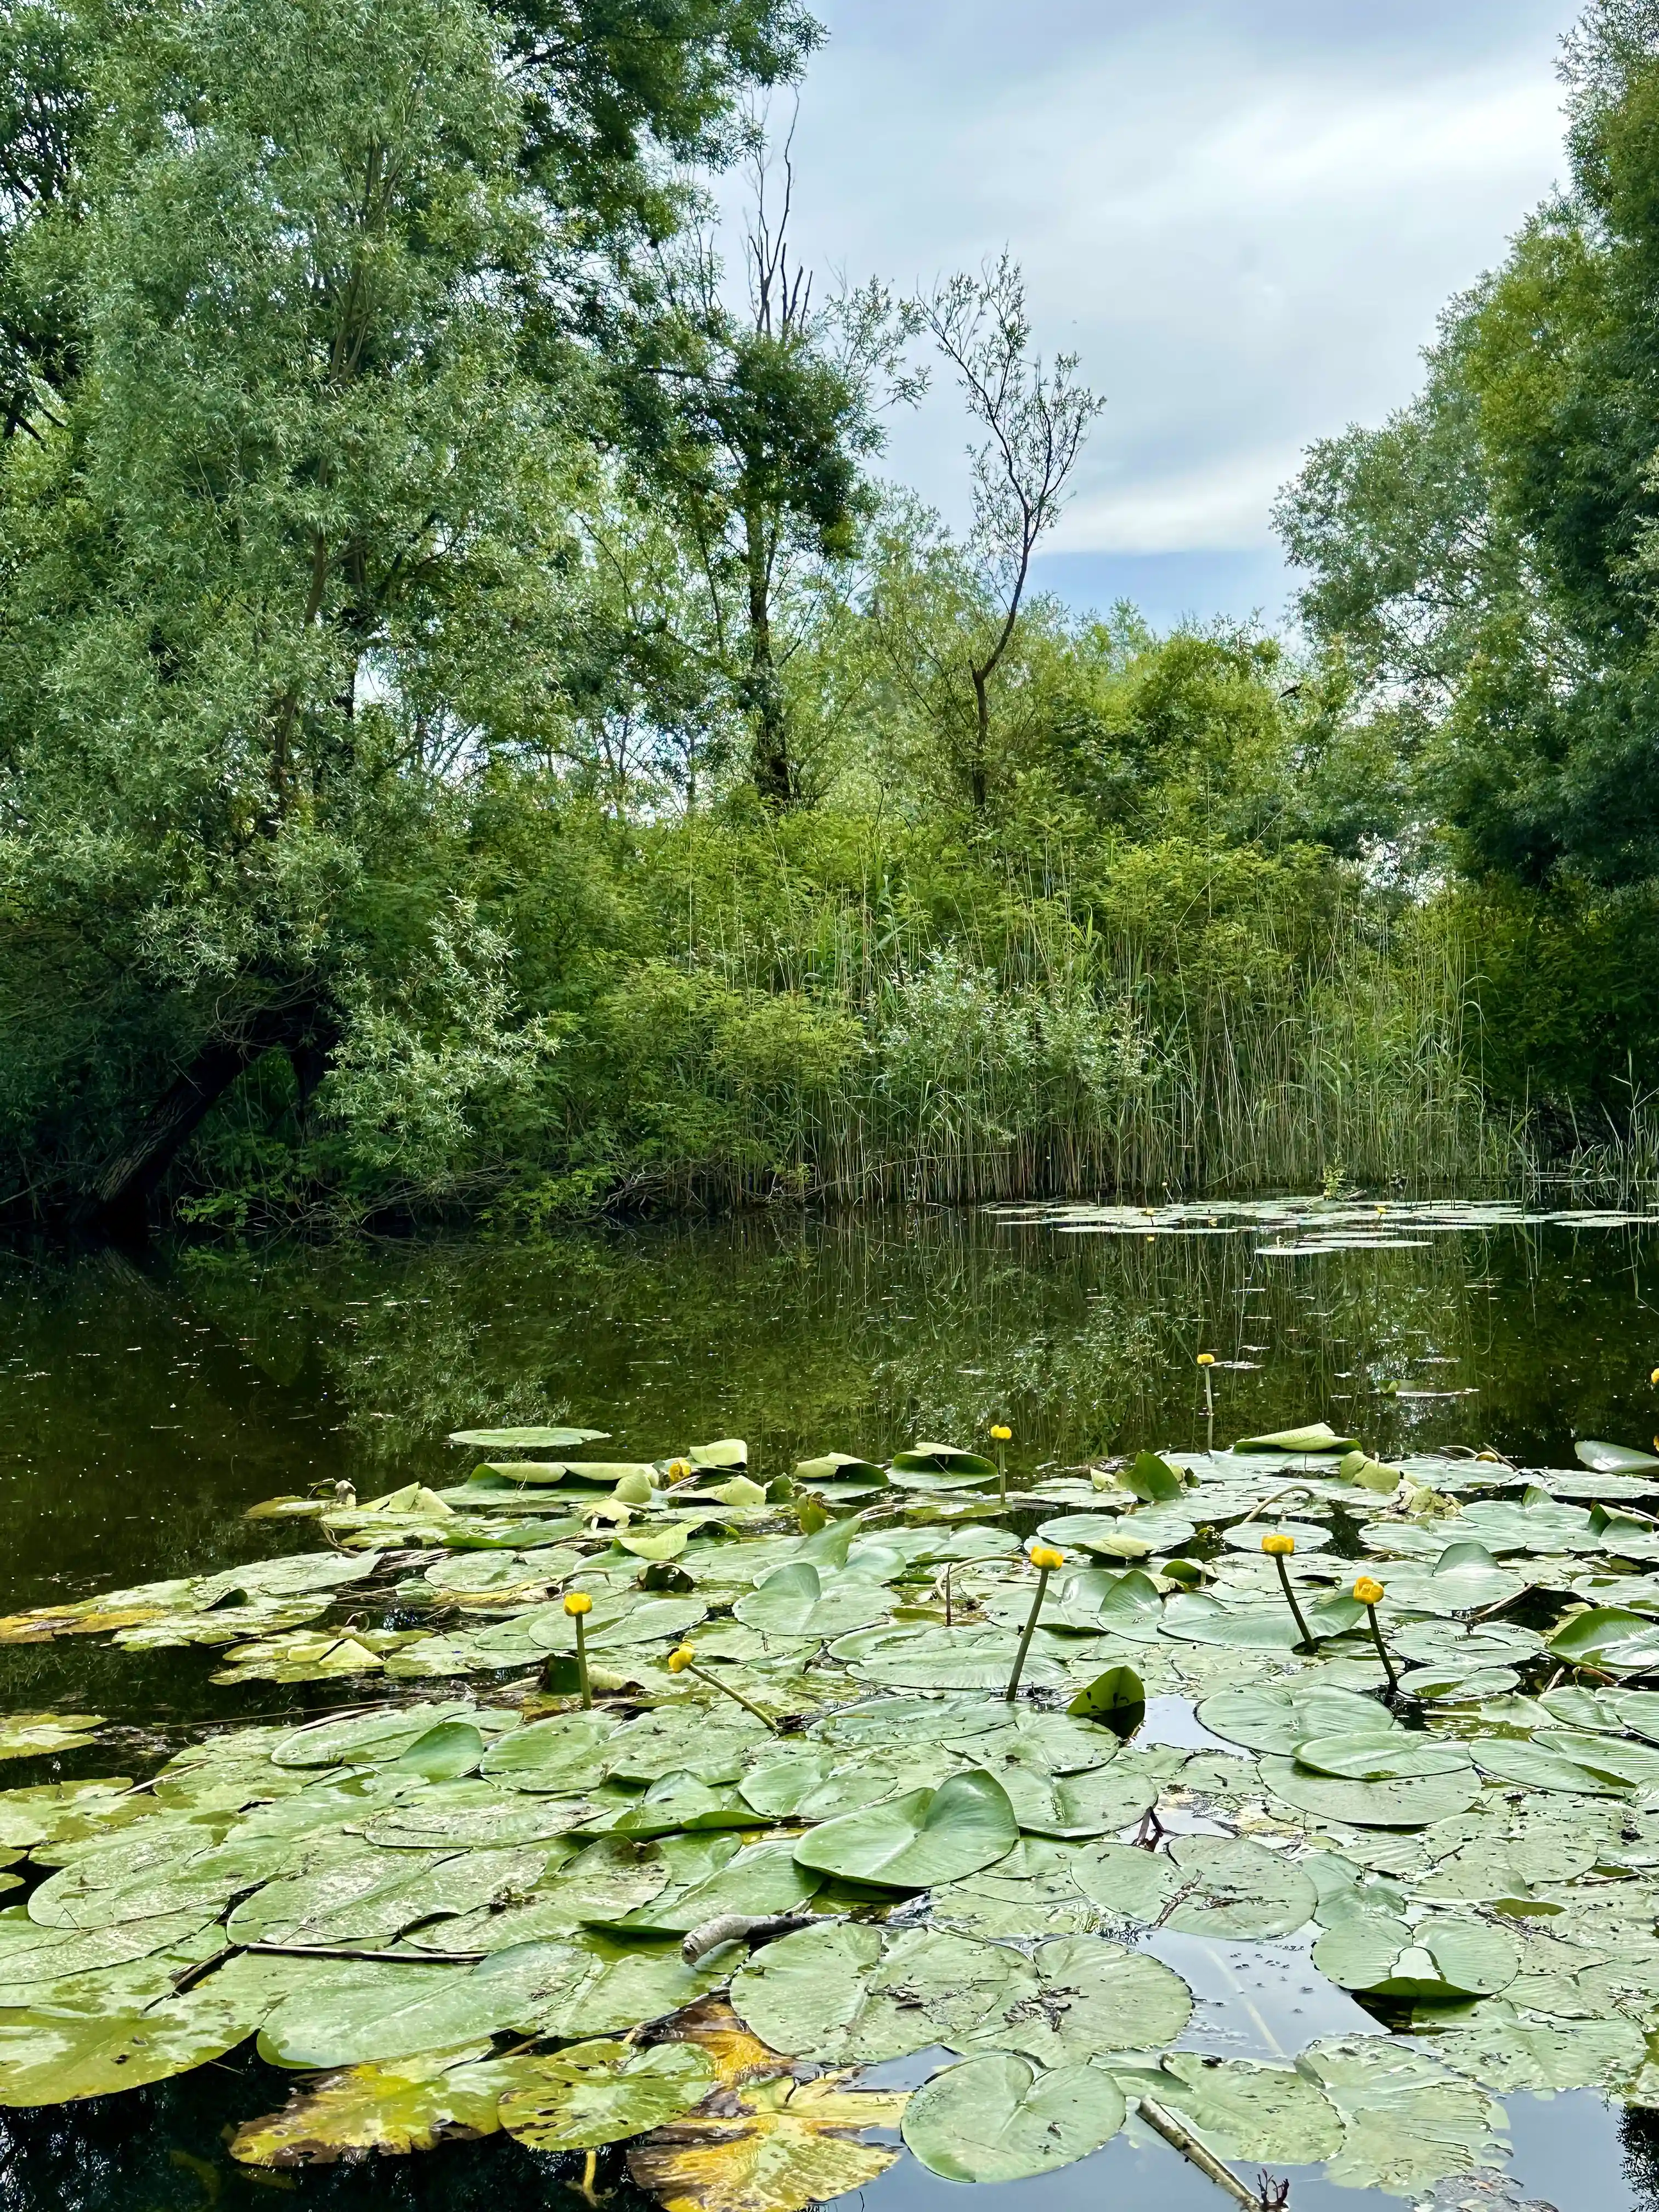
925	1837
1316	1437
1441	1959
1616	1459
527	1439
1609	1637
999	2118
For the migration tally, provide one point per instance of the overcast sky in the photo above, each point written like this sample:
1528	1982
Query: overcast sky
1245	216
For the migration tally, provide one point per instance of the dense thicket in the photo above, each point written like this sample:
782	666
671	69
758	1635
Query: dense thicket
474	731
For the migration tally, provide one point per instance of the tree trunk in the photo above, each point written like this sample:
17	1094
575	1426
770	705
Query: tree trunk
117	1200
977	774
773	779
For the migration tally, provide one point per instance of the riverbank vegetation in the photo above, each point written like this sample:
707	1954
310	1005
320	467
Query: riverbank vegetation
478	732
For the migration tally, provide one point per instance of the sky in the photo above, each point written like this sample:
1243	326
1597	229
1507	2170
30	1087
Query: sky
1245	216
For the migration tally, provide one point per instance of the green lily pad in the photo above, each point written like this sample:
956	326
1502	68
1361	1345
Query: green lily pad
33	1735
1091	1996
1510	2051
840	1993
1440	1960
1263	1717
1378	1756
1417	1804
1615	1459
1116	1700
797	1600
1243	2111
531	1439
1031	1892
1316	1437
97	2034
561	1757
925	1837
942	1659
1609	1637
1247	1536
1408	2121
1236	1890
998	2118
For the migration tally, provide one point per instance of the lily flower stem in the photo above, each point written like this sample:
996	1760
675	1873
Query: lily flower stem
582	1666
1209	1395
736	1696
1383	1651
1013	1691
1289	1600
1002	1477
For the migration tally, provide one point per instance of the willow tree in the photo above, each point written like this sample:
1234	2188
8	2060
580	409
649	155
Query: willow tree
302	307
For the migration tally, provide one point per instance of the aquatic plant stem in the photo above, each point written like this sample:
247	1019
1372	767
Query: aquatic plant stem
1383	1651
582	1666
736	1696
1289	1600
1013	1691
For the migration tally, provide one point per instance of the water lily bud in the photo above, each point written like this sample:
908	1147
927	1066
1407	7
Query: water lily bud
680	1660
1368	1592
680	1470
1046	1557
577	1603
1002	1436
1654	1377
1278	1548
1206	1359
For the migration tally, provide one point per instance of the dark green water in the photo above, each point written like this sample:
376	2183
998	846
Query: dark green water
148	1404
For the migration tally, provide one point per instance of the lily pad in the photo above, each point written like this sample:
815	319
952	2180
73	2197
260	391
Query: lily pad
1408	2121
1243	2111
1264	1717
407	2105
1440	1960
925	1837
999	2119
529	1439
1417	1804
797	1600
775	2145
1236	1890
595	2093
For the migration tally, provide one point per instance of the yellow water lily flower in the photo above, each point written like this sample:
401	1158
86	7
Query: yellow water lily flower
1002	1436
1279	1547
1206	1359
1046	1557
1368	1592
577	1603
680	1660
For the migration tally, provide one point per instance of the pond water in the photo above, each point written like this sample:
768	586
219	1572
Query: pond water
150	1400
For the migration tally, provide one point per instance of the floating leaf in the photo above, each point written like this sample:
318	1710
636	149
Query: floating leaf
1117	1700
1091	1996
532	1439
594	2094
30	1735
1413	1804
839	1993
925	1837
1317	1437
1243	2111
1616	1459
1609	1637
778	2146
1408	2121
1237	1890
1511	2051
1263	1717
999	2119
797	1600
407	2105
1441	1959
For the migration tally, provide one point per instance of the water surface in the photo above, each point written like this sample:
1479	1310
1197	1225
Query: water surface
148	1402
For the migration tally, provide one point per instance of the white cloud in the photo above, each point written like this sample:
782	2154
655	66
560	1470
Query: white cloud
1246	225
